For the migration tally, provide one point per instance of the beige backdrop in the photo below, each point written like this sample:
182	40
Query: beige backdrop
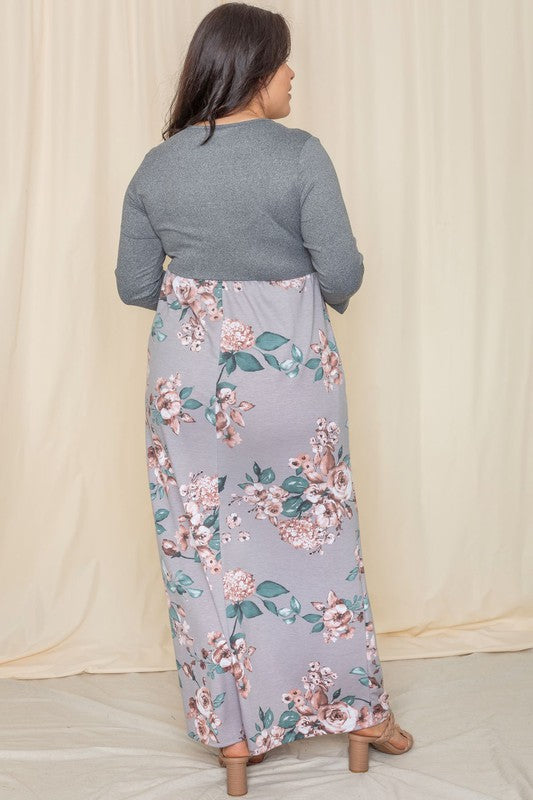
426	110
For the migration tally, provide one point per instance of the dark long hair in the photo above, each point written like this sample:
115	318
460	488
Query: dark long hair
234	52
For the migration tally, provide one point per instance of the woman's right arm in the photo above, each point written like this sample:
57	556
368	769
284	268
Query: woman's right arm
326	228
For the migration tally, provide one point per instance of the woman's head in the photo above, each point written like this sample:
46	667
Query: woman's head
236	61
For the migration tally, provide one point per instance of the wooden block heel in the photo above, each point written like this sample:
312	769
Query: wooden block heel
358	754
236	778
360	742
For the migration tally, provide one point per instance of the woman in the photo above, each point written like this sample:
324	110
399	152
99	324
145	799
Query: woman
246	413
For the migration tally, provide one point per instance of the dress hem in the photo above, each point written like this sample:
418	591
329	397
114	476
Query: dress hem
312	735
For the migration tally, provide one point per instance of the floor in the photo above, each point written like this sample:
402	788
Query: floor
118	736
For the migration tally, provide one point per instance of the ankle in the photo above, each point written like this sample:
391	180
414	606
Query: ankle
239	748
372	728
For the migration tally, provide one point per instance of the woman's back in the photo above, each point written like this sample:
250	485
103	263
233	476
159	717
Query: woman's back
247	436
258	201
246	414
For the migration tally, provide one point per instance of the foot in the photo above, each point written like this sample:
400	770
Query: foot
237	749
398	739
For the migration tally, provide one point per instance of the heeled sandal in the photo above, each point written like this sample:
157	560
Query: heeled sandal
236	777
359	743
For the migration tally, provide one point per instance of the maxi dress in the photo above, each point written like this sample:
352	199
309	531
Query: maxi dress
254	502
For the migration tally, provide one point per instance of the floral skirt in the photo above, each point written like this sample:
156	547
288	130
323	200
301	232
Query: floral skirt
255	513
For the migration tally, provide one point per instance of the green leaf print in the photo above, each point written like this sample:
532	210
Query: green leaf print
312	363
250	609
210	415
296	605
191	403
156	416
185	392
297	354
211	519
290	367
270	589
158	323
271	606
352	575
269	718
156	490
295	484
272	360
182	585
312	617
219	699
358	671
231	364
286	613
319	374
267	475
291	506
161	513
231	610
247	362
288	719
354	605
270	341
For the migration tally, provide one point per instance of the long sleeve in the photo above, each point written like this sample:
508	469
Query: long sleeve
325	227
139	270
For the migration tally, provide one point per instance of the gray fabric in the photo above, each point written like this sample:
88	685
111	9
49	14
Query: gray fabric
259	201
255	514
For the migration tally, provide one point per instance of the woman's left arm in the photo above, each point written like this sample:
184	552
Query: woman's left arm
139	270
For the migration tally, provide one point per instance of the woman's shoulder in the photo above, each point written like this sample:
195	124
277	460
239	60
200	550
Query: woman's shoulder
277	130
298	143
298	134
294	138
